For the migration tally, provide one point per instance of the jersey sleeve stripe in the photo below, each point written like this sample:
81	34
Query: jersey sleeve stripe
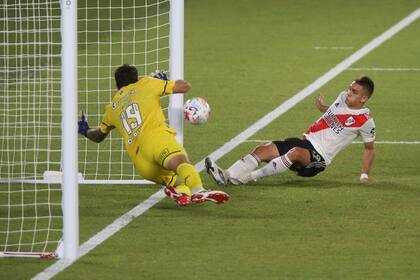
164	88
105	124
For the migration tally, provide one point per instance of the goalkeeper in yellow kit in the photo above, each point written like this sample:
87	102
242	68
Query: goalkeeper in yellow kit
136	113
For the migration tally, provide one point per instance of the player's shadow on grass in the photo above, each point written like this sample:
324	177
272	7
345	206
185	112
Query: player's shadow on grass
300	183
332	184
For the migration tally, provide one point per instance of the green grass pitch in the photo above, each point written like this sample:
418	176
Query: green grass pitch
246	58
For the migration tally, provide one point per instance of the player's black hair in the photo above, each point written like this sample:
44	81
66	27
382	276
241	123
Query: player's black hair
367	84
125	75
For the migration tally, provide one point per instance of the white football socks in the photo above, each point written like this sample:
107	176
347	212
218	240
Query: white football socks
275	166
243	166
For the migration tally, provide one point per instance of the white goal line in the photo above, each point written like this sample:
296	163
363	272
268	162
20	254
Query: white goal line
384	69
122	221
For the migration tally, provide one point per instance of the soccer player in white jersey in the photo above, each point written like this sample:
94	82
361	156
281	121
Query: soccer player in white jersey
343	121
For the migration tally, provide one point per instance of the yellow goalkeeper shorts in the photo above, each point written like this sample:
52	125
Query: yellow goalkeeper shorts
154	151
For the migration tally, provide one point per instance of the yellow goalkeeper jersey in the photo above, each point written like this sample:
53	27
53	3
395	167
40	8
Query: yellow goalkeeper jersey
135	110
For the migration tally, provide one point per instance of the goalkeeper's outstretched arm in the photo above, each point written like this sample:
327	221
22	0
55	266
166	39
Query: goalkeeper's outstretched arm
181	86
95	135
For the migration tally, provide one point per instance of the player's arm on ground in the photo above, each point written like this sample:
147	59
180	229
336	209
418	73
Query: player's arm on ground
320	103
368	156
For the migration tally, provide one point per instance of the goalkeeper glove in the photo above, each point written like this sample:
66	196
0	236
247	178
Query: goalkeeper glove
83	125
160	75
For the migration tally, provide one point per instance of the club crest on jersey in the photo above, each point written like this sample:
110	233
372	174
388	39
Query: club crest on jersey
350	121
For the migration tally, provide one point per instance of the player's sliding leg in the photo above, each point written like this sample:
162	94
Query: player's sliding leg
179	197
238	172
275	166
214	196
161	159
189	176
188	181
279	164
216	173
162	176
242	168
191	179
183	189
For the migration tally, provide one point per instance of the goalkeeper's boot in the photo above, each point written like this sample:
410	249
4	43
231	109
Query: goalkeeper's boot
179	198
217	197
218	174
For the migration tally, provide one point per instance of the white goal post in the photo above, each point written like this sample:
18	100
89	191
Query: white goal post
58	58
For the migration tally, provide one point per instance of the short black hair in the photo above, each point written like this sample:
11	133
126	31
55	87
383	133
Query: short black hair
125	75
367	84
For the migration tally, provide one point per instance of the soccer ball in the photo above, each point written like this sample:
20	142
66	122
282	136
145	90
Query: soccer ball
196	110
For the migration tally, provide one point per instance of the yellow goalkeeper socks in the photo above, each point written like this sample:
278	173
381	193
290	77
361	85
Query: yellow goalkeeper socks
183	189
190	177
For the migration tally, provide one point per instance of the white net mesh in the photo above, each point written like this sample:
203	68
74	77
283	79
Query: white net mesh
110	33
30	214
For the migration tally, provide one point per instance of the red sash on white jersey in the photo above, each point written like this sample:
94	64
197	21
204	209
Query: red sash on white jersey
346	120
338	127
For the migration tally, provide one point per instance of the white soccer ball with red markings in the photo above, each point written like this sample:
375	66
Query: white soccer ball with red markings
196	110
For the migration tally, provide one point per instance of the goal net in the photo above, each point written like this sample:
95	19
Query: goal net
110	33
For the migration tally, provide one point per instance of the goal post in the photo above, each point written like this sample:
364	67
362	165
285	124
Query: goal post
176	66
69	150
58	58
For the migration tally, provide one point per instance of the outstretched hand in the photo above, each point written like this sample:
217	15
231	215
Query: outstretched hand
320	103
83	125
160	74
